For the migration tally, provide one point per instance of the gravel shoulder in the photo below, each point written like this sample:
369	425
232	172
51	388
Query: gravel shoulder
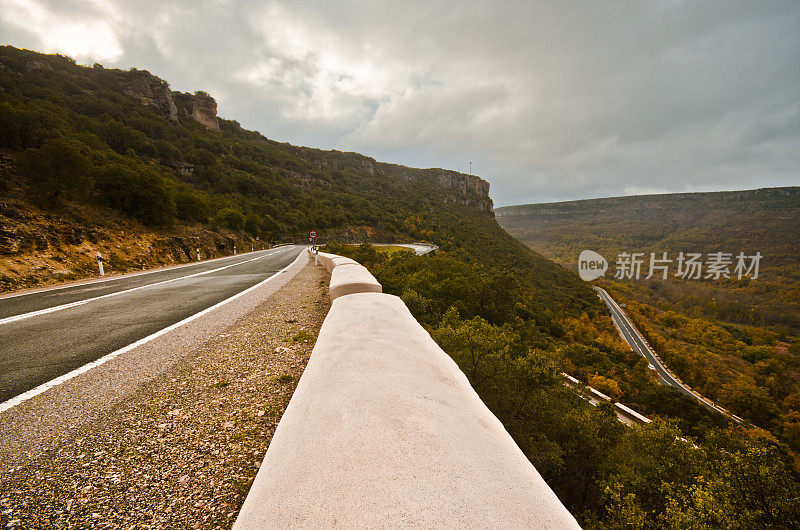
181	450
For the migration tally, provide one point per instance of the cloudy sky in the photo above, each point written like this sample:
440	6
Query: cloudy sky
549	100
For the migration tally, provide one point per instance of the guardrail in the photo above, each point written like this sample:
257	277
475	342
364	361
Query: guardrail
625	414
710	404
384	430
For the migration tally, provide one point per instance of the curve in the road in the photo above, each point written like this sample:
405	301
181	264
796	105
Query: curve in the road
52	309
29	302
633	338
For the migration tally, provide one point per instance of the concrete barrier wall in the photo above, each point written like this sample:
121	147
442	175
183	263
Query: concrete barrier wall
325	259
632	413
340	260
350	278
384	430
347	275
625	414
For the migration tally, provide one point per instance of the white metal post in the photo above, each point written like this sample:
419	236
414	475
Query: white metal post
100	264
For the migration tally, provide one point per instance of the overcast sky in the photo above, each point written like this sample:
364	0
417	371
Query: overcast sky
549	100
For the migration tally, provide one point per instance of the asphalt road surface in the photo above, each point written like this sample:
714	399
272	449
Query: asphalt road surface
640	347
420	249
49	333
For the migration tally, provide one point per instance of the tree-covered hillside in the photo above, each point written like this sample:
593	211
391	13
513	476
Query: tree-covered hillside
116	139
690	468
81	144
736	341
764	220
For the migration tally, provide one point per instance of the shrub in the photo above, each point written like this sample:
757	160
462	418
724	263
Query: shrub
192	205
230	218
139	192
55	170
254	225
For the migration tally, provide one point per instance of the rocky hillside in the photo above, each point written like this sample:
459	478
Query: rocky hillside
39	247
98	159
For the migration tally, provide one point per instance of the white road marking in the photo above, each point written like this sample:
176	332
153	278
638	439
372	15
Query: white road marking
61	307
13	402
636	336
111	278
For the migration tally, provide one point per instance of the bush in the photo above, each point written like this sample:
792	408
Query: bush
254	225
230	218
55	170
139	192
192	205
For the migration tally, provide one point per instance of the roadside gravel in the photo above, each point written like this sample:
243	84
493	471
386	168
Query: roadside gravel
182	451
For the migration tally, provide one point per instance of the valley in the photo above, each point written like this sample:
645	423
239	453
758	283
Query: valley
113	161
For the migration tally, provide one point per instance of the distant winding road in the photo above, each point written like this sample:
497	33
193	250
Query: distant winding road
634	339
46	334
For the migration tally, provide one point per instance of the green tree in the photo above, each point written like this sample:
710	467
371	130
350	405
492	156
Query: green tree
138	191
192	205
254	224
230	218
56	170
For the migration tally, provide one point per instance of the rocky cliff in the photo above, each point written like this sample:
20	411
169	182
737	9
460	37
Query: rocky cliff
148	89
198	106
474	189
204	110
468	190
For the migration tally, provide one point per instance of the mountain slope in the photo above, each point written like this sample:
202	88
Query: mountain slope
94	158
83	146
764	220
734	340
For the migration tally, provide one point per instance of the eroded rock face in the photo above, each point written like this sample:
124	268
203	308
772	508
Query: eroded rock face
35	64
204	110
148	89
474	189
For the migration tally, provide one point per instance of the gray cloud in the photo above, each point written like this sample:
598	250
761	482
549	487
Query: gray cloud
550	100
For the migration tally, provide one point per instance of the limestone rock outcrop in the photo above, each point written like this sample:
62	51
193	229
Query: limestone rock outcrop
204	110
475	190
148	89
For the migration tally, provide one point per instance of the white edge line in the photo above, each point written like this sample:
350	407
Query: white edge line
658	360
77	303
13	402
120	276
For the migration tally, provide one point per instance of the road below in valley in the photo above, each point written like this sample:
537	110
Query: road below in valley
634	339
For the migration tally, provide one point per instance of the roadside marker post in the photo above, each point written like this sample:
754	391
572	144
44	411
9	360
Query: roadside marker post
100	264
312	235
198	253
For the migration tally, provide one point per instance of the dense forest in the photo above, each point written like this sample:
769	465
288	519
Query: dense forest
77	138
733	340
765	220
690	468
